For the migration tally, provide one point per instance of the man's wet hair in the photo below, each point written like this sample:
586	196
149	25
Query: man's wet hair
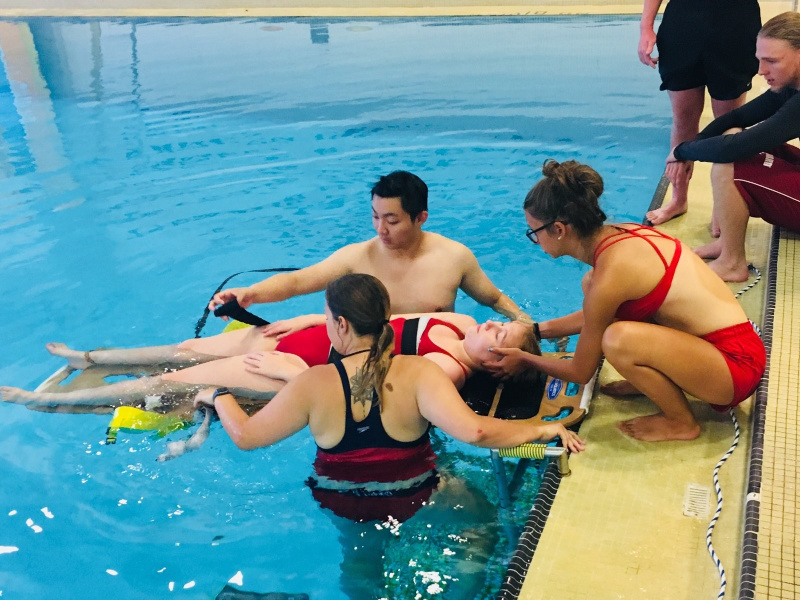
411	190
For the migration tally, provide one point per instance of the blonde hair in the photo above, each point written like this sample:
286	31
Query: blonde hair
785	26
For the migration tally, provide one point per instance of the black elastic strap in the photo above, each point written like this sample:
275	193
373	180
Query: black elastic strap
201	322
408	341
234	310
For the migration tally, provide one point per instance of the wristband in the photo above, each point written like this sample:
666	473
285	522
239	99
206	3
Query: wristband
222	391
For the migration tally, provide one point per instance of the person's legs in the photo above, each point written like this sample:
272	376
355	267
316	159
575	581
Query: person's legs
719	108
122	393
732	212
662	363
193	351
687	106
228	372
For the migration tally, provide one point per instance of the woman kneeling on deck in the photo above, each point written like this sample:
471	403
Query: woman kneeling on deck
661	317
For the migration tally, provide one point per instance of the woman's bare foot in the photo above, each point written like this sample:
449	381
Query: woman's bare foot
623	387
16	395
665	213
657	428
75	358
710	250
730	272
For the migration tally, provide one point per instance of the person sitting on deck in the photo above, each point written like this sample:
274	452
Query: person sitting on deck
755	172
660	316
423	271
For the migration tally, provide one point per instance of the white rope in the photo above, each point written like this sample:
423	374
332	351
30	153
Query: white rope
723	582
752	284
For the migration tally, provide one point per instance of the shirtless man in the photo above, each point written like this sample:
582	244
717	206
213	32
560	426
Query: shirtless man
422	271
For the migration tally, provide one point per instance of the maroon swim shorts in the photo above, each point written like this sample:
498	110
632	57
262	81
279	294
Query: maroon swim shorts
769	182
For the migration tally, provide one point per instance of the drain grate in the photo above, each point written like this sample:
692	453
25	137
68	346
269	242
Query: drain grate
696	501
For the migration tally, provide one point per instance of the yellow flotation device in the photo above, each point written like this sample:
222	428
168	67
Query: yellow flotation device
534	451
129	418
234	325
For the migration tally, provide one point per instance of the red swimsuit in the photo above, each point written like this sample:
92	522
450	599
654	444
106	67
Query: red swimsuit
424	343
739	344
313	345
646	307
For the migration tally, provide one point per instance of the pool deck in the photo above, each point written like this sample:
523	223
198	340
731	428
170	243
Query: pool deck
617	528
304	8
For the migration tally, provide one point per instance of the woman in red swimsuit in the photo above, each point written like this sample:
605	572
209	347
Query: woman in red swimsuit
661	317
398	396
258	361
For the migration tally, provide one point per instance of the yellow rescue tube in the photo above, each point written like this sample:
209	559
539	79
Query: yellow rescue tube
130	418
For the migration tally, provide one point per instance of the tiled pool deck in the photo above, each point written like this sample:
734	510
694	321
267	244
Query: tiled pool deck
617	528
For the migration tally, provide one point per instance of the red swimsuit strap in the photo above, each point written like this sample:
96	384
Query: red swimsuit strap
427	345
626	234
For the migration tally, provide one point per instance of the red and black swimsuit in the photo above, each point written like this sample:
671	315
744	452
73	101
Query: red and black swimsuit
314	347
369	475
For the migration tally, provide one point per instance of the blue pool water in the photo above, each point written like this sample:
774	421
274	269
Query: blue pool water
141	162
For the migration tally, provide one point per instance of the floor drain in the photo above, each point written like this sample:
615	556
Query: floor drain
695	501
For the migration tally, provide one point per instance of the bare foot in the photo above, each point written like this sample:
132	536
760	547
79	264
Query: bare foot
75	358
710	250
623	387
728	272
15	395
657	428
713	228
665	213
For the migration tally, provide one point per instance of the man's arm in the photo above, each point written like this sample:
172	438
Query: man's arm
768	125
647	33
758	109
296	283
304	281
481	289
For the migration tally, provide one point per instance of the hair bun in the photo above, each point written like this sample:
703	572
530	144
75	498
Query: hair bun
550	168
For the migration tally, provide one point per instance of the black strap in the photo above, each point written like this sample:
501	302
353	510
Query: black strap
408	340
234	310
201	322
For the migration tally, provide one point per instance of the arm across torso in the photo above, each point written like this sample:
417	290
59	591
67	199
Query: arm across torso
770	120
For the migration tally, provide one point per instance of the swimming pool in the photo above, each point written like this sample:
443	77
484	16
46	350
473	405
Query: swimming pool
144	161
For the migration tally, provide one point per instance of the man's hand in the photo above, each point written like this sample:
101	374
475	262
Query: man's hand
647	42
678	171
242	295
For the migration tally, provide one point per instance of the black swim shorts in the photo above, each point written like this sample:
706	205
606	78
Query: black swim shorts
709	43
